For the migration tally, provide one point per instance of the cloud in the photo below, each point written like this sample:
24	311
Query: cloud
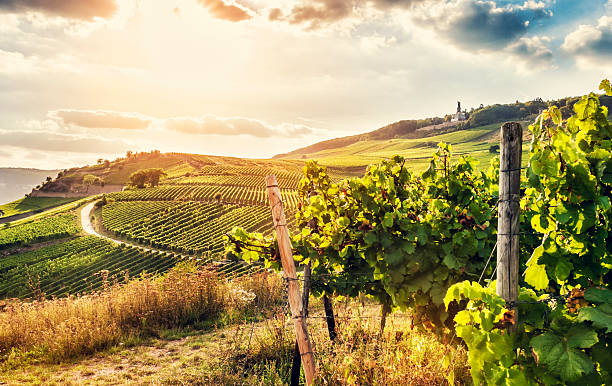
16	63
101	119
275	14
234	126
48	141
476	25
72	9
318	13
591	41
221	10
532	53
72	121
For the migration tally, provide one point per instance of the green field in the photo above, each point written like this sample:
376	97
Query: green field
31	204
354	158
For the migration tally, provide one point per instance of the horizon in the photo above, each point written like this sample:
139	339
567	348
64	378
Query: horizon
82	82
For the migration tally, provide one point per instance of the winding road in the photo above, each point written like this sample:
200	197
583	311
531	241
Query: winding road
89	228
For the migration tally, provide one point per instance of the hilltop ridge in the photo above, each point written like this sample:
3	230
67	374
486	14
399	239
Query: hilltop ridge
429	127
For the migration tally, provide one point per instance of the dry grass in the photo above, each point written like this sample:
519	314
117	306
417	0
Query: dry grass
256	348
359	356
58	329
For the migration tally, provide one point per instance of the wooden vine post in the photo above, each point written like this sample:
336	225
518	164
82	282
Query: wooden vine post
295	366
509	211
295	300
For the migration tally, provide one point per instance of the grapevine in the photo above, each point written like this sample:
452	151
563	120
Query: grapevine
565	304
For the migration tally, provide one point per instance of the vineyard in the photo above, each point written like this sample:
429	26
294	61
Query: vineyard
78	266
189	227
84	264
293	173
240	195
48	228
424	242
233	180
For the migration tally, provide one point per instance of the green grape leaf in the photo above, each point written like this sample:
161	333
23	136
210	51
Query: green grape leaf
604	203
388	220
394	257
450	261
598	295
581	337
555	113
601	316
343	222
535	274
370	238
601	354
563	269
542	224
560	357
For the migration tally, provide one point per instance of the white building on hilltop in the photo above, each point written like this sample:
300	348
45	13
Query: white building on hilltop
459	115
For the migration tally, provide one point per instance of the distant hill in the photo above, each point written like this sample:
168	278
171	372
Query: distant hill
112	176
400	129
423	128
16	182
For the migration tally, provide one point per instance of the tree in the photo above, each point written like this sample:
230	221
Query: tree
154	175
100	161
129	154
106	163
138	179
143	176
48	179
90	179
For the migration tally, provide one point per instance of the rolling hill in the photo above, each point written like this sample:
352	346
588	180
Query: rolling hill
478	142
417	139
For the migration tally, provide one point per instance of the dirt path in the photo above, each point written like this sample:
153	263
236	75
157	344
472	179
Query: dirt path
89	228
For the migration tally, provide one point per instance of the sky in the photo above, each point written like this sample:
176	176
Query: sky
88	79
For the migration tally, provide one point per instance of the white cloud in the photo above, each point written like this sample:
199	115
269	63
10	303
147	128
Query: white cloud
100	119
591	40
531	54
51	141
476	25
210	125
16	63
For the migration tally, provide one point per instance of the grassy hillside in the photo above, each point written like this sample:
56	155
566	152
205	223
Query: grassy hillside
354	158
177	166
431	127
31	204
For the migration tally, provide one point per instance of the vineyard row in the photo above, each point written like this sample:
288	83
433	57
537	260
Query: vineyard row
226	194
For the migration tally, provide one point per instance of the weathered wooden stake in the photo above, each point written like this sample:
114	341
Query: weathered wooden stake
384	311
295	366
295	300
329	317
509	211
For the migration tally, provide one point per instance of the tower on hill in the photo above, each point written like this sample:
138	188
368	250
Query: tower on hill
459	115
